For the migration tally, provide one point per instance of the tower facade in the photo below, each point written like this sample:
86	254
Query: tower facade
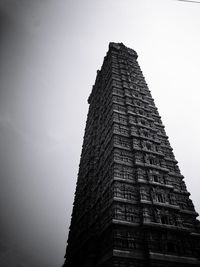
131	207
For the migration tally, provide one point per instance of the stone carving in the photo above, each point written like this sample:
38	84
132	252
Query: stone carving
131	206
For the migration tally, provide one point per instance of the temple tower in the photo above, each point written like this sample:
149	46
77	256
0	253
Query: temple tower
131	207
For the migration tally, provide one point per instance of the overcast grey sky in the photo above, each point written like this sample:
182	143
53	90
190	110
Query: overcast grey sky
49	53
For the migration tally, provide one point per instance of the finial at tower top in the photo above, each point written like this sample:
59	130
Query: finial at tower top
119	46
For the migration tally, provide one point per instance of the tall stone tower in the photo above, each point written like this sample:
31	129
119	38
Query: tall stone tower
131	207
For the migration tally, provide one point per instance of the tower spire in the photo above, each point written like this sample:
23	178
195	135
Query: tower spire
131	206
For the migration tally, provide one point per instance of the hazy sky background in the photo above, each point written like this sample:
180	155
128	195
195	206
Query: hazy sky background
49	53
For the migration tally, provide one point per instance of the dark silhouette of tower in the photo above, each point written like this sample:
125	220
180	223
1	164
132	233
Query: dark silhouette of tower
131	207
